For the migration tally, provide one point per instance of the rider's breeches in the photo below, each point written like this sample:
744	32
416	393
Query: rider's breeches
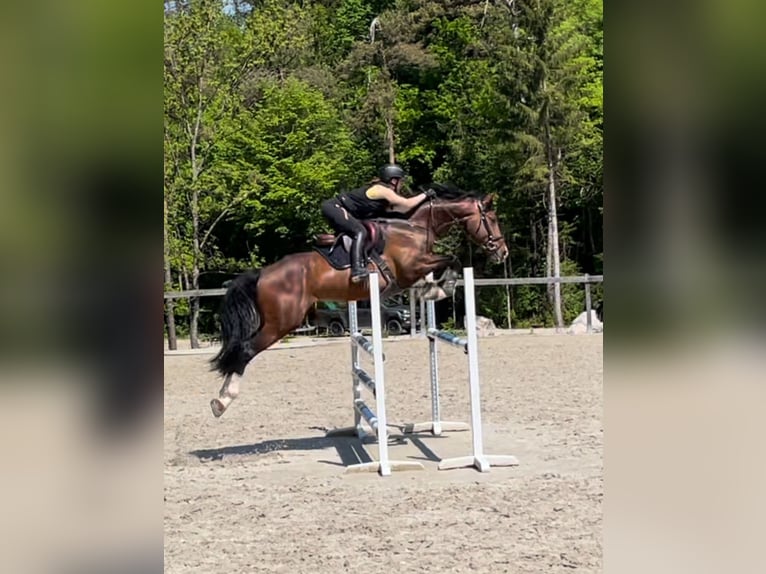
341	220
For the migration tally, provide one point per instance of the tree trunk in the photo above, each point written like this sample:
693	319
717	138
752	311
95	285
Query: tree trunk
533	235
553	262
170	318
194	301
554	234
506	265
549	258
196	255
390	134
592	253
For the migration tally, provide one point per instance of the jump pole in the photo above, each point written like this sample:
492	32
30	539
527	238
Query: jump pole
360	380
435	426
478	459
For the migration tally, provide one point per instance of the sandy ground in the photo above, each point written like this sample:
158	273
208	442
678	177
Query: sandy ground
262	489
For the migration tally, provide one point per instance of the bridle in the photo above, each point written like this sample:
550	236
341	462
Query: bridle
492	242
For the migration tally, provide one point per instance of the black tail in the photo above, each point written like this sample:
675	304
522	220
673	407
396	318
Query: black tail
240	321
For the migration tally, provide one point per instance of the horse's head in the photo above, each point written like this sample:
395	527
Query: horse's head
474	214
483	227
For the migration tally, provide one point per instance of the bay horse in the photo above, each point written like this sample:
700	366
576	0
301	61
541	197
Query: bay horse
262	306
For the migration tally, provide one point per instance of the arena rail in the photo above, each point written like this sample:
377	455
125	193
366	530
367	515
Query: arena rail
586	280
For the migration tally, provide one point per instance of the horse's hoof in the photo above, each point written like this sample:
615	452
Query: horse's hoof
434	293
217	407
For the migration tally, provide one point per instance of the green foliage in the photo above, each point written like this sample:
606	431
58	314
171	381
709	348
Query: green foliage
572	295
286	103
530	307
337	30
491	303
298	152
281	36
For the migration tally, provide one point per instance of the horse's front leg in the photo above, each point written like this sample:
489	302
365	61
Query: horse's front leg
435	263
450	276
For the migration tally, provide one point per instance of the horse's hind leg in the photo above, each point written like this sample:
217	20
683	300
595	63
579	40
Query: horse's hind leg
226	395
230	388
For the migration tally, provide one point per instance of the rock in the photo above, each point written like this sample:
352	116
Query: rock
485	327
580	324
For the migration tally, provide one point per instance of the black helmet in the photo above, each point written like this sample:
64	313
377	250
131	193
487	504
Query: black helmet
391	171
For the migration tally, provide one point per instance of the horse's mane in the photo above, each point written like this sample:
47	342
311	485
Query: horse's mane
449	191
444	191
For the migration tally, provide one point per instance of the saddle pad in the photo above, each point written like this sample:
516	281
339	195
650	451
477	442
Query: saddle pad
340	257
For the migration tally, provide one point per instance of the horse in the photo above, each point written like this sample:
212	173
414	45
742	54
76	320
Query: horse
262	306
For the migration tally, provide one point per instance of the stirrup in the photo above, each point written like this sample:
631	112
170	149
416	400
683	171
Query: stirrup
359	275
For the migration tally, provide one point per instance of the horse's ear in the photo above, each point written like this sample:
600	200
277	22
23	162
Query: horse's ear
489	200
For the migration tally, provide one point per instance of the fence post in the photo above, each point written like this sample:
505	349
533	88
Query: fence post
588	303
413	315
507	295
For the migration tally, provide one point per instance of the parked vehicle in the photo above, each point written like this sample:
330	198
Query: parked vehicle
333	317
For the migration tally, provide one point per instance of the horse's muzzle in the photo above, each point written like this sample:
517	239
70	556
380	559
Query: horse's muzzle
499	253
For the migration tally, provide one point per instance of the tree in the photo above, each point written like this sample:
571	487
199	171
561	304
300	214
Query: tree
546	74
273	106
297	148
206	56
384	68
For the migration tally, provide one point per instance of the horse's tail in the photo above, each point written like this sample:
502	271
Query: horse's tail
240	321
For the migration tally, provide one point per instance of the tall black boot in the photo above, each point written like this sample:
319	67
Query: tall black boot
358	264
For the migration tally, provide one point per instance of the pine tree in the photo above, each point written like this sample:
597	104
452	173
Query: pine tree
546	77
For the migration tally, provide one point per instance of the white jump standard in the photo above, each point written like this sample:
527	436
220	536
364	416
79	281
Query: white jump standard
481	461
435	426
361	379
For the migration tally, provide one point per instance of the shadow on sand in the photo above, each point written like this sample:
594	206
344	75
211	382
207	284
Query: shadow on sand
351	450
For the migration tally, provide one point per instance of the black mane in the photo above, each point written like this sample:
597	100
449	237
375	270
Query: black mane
446	191
449	191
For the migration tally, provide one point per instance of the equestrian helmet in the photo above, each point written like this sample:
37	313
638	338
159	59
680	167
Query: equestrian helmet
391	171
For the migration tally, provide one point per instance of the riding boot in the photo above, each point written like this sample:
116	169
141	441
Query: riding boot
358	264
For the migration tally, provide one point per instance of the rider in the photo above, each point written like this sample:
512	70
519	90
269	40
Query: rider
373	200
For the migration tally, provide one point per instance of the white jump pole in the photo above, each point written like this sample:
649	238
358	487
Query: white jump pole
360	379
478	459
435	426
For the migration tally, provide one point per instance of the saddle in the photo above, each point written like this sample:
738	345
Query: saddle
336	249
373	235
